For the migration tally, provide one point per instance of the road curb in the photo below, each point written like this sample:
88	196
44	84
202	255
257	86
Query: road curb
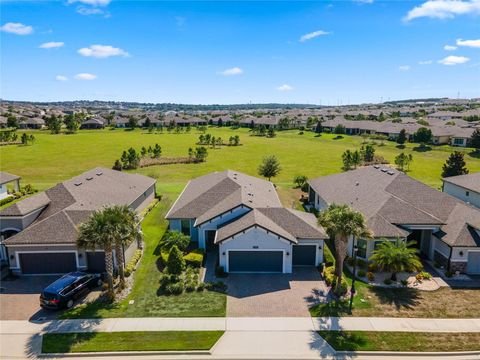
123	353
407	353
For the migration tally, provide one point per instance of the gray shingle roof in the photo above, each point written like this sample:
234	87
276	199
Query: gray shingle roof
6	177
70	203
469	181
391	200
213	194
289	224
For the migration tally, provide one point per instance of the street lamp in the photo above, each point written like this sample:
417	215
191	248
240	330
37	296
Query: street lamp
352	290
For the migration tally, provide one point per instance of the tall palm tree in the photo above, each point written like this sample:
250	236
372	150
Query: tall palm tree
396	257
341	222
107	229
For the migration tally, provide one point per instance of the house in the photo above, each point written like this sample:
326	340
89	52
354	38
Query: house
41	231
93	123
445	229
6	178
240	219
32	123
464	187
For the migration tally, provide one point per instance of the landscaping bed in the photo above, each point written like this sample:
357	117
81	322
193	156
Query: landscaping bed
401	341
129	341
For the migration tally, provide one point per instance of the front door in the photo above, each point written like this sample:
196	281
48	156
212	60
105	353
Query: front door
210	239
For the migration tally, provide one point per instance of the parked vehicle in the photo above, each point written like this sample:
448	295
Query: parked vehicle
63	292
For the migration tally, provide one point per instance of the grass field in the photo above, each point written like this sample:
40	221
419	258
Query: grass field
145	292
401	341
130	341
54	158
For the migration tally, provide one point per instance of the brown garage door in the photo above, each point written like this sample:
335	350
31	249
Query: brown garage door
47	263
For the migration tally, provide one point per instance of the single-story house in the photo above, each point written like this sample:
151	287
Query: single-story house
32	123
446	230
7	178
40	232
240	219
464	187
93	123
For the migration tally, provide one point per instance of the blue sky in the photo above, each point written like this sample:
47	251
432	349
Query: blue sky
328	52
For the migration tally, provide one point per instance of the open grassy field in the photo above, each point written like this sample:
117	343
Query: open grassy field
401	341
130	341
54	158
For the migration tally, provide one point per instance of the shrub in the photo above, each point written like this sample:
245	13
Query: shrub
194	258
448	273
176	238
329	259
133	262
361	273
370	276
361	263
426	275
220	271
331	279
372	267
190	286
404	282
6	200
201	286
175	262
387	281
175	288
220	286
349	261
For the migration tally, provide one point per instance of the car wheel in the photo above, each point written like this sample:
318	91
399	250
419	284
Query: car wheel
69	304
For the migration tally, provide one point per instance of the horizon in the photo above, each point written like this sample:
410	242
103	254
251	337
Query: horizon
324	53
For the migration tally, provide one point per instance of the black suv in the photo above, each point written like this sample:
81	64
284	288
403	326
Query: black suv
63	292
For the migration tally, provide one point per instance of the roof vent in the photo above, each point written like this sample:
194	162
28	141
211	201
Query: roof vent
376	166
357	183
99	173
89	178
78	183
383	170
390	172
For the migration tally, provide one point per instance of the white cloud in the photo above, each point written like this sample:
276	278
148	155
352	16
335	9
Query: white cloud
425	62
284	87
17	28
51	45
313	35
404	67
454	60
91	2
82	10
102	51
449	48
85	76
444	9
232	71
469	43
61	78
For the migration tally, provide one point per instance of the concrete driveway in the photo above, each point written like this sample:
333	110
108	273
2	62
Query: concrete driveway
274	295
19	298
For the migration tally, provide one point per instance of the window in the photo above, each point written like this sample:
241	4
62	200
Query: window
458	141
362	248
467	193
186	227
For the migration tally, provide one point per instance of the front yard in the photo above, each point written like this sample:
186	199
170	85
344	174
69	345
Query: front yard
401	341
147	300
130	341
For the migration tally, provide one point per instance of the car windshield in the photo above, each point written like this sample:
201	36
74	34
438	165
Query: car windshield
63	282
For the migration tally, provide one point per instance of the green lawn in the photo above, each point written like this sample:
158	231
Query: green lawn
401	341
148	302
129	341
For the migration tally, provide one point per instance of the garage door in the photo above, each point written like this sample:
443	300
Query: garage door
473	266
304	255
255	261
47	263
96	261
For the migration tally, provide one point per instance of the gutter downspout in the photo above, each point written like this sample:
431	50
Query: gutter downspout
449	258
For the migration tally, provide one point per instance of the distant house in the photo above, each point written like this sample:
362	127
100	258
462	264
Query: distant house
40	232
239	219
7	178
93	123
32	123
464	187
445	229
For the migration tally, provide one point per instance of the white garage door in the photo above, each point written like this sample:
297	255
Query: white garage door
473	266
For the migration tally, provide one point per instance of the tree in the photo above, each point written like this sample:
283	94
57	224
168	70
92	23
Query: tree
271	132
157	151
72	123
117	166
347	160
339	129
475	140
147	123
341	222
201	154
300	181
24	139
403	161
396	257
367	153
54	124
132	122
423	136
12	121
106	229
175	261
176	238
455	165
270	167
402	137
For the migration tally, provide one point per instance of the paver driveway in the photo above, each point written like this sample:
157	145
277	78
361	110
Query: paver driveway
274	295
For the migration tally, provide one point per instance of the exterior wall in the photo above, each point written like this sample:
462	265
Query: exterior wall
318	202
13	252
143	200
253	238
319	243
176	225
461	193
456	141
18	223
218	221
440	140
3	191
128	252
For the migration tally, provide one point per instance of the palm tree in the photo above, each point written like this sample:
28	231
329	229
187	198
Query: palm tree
107	229
396	257
341	222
